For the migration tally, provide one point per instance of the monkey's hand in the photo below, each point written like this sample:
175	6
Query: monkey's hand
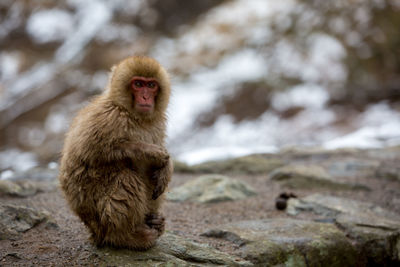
158	155
161	178
156	221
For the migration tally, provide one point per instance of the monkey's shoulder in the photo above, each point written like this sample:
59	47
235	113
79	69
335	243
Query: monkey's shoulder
101	113
102	121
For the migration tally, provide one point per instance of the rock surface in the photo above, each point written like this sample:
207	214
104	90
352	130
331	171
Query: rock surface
288	242
35	174
309	176
351	166
171	250
330	206
376	231
334	227
389	170
252	164
17	219
25	188
211	189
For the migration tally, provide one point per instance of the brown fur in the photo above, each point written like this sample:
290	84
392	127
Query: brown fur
114	165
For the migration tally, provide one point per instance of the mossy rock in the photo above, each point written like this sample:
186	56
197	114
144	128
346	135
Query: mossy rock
211	189
309	177
170	250
289	242
15	220
252	164
25	188
374	231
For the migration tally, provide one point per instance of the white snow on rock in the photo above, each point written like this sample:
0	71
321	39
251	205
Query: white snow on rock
235	42
378	126
50	25
17	160
201	91
305	95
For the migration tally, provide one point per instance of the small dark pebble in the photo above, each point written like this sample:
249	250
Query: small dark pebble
14	255
281	201
286	195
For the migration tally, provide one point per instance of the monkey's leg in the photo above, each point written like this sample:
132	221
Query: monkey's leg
160	180
122	215
154	218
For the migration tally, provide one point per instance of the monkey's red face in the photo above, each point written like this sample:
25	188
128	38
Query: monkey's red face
144	91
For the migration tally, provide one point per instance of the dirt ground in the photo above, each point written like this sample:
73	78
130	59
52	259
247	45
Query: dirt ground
69	243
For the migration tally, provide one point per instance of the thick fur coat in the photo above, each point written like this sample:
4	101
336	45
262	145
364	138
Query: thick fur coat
107	178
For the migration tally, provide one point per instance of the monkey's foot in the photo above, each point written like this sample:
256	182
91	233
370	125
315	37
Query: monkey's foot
156	221
145	238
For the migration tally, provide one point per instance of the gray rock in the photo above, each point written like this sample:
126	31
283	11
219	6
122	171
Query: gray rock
9	188
376	231
288	242
251	164
171	250
377	239
383	154
308	177
330	206
210	189
15	220
35	174
25	188
350	167
389	170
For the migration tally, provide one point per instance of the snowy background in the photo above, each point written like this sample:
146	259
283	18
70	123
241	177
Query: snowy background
248	76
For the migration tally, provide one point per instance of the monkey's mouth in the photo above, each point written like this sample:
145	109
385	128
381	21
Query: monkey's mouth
144	107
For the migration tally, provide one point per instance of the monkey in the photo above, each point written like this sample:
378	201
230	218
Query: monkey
114	166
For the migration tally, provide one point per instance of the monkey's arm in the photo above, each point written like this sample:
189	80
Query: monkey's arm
124	149
160	162
158	155
161	178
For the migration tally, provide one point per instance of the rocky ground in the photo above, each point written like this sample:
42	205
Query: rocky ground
342	208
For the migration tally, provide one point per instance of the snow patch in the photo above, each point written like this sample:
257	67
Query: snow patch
57	122
9	65
379	126
50	25
201	91
220	153
305	95
6	175
93	16
17	160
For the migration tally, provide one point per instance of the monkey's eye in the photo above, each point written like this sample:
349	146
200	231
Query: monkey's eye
151	84
138	83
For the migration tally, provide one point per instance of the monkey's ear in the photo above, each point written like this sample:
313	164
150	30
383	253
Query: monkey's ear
110	77
112	72
113	68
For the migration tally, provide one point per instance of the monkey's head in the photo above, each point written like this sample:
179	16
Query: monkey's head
141	85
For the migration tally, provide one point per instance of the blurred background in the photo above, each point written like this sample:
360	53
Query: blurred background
248	76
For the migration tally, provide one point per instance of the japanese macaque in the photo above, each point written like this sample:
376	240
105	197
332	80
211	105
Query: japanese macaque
114	167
